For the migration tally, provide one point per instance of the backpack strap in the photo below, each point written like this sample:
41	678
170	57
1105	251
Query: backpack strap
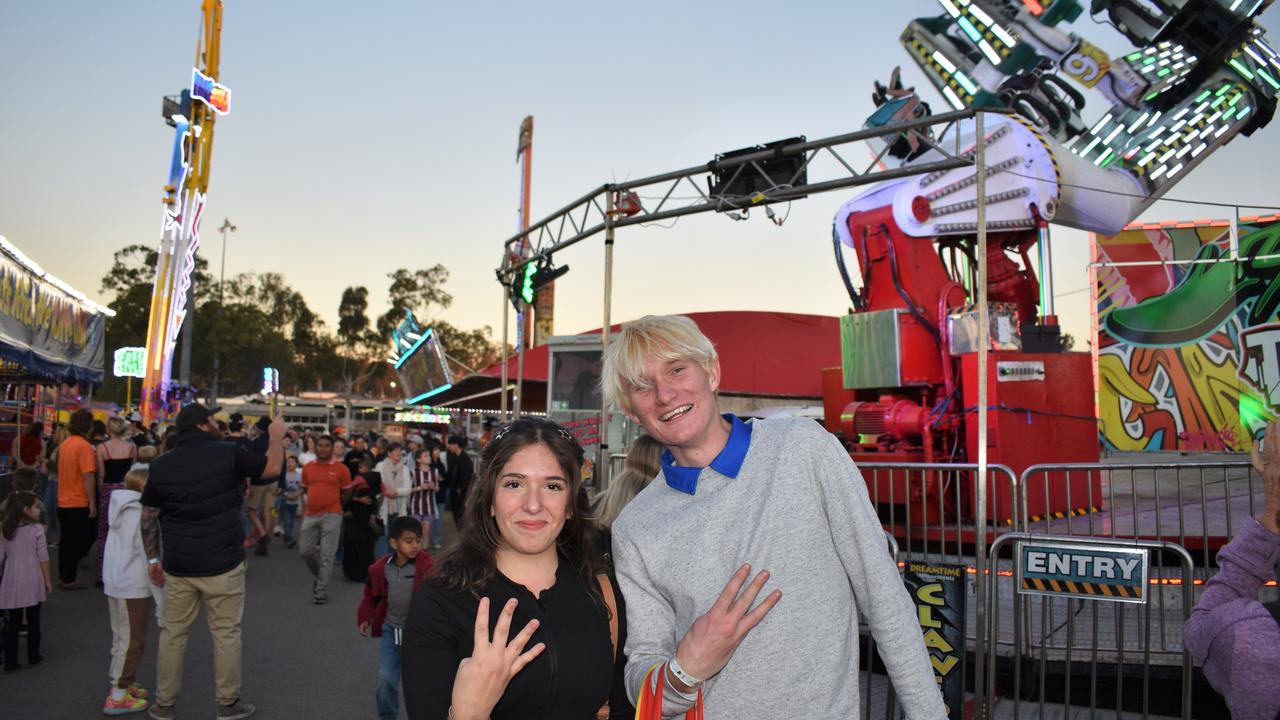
606	589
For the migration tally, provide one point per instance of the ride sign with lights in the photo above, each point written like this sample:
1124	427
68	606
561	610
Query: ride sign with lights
131	362
210	92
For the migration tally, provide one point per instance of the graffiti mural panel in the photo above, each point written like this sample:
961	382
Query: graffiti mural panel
1188	352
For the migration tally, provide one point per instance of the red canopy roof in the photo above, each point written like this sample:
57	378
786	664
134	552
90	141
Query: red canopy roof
761	353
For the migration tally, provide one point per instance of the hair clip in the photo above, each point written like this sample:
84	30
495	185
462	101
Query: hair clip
507	428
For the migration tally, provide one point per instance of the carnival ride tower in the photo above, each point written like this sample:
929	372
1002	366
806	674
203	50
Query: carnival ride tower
192	116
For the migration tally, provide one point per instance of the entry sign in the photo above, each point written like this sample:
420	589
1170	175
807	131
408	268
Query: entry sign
1096	572
938	592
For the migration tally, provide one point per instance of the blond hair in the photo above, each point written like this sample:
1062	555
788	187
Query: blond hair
136	478
116	426
146	454
667	337
644	460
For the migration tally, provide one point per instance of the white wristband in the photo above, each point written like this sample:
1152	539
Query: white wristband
681	675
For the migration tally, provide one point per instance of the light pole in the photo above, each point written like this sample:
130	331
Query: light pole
222	277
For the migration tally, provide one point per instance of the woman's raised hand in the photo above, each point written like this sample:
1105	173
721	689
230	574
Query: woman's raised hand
483	677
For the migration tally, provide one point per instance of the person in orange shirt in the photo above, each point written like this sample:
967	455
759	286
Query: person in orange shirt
77	497
327	483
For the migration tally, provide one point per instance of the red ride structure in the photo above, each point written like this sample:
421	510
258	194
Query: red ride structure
907	390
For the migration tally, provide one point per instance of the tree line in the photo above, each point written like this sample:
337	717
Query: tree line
258	321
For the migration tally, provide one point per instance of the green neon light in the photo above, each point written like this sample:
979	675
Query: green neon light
1163	72
1268	78
1152	96
526	285
1149	59
426	336
1204	95
969	29
1243	111
966	82
1252	411
428	394
1240	68
1133	56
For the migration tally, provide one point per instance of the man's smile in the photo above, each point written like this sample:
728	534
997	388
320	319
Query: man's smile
673	414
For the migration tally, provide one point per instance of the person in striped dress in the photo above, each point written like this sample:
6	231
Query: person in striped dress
422	495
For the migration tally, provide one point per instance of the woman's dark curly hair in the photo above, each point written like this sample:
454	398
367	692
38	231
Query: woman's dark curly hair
470	562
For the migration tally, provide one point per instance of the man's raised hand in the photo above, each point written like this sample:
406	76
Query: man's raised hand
713	637
277	429
483	677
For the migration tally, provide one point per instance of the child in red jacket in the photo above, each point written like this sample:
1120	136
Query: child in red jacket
393	580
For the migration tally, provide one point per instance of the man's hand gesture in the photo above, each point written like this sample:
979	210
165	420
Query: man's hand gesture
713	638
483	677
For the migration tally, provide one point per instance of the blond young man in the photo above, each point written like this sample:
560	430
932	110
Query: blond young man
780	496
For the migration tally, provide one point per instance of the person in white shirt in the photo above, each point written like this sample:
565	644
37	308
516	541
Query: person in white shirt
396	472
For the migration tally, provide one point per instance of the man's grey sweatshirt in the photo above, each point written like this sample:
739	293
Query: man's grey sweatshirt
799	509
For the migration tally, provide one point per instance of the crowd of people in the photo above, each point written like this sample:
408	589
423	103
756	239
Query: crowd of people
665	591
172	513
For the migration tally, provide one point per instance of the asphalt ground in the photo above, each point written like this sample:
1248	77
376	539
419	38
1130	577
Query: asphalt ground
299	660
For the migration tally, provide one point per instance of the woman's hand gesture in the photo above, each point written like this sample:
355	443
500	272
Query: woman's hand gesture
483	677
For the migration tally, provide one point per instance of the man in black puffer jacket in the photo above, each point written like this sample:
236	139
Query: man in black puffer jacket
193	502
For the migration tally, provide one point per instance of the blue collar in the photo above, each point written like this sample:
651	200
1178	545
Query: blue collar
727	463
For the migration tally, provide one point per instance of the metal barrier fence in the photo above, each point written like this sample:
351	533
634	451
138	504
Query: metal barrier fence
931	510
931	507
1044	631
1197	505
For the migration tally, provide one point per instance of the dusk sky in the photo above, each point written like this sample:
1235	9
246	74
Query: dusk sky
369	136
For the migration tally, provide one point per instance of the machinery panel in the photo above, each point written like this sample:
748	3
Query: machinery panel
887	349
869	350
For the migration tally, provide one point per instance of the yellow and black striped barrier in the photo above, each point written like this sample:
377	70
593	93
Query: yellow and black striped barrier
1106	590
1060	515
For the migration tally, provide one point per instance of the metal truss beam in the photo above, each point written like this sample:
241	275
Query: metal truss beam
589	215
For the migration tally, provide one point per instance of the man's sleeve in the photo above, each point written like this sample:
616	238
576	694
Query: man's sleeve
87	460
878	590
150	495
651	624
248	464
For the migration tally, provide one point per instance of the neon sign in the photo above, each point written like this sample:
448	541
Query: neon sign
131	362
417	416
213	94
270	381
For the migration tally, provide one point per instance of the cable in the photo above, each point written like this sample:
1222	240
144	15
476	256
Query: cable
659	225
854	297
1030	412
902	292
1236	206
